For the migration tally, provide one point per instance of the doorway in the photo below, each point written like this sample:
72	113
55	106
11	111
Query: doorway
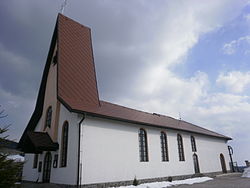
47	167
223	163
196	164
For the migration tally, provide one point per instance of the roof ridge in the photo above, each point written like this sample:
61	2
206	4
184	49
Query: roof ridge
129	108
163	116
70	19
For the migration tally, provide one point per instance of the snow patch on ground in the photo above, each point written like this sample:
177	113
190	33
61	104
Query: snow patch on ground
246	173
168	184
17	158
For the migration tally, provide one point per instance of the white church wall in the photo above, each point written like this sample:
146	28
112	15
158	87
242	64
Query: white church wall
60	175
209	150
30	173
68	174
110	152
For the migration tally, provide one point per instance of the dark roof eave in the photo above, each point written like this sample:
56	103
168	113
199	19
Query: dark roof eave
41	93
150	125
136	122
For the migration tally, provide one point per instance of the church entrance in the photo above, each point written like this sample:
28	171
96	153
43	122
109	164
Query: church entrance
47	167
223	163
196	164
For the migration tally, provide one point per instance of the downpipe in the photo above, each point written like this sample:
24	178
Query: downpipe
78	183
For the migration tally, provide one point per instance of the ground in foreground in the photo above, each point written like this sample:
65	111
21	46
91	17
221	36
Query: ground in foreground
226	181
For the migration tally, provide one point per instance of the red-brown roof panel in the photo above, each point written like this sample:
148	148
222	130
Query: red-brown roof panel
132	115
76	71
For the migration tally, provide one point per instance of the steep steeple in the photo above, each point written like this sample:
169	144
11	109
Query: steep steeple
77	86
76	76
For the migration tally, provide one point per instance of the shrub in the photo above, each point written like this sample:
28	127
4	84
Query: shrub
135	182
9	169
170	179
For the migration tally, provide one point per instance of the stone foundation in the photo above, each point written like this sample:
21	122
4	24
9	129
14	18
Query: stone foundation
120	183
124	183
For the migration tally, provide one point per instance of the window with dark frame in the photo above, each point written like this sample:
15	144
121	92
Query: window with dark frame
164	147
35	162
64	145
193	144
180	148
55	161
55	58
143	145
48	117
40	166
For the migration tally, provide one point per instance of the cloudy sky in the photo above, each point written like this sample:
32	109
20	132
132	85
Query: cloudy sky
185	58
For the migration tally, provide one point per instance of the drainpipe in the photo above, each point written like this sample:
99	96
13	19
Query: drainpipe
78	183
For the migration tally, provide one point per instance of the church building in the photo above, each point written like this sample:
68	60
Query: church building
75	138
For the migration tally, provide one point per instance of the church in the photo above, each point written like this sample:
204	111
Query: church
75	138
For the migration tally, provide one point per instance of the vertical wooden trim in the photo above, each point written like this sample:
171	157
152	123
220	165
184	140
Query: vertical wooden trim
57	116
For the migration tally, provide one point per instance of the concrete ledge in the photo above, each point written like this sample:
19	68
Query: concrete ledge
130	182
120	183
229	174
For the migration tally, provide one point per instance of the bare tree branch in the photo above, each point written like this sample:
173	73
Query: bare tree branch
2	113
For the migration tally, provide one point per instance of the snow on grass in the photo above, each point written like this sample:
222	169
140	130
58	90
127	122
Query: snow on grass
17	158
169	184
246	173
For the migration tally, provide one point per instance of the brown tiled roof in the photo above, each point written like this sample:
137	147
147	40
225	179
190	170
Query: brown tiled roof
135	116
76	70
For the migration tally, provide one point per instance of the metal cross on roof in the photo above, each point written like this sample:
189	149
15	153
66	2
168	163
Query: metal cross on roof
63	6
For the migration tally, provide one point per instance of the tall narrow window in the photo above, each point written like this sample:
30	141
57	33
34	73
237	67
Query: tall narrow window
143	145
48	117
35	162
193	144
180	148
64	145
164	147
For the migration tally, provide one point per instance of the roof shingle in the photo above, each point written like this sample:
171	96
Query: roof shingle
76	70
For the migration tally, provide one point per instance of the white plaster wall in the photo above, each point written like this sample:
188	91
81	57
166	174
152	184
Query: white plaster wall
110	152
68	174
208	151
59	175
30	173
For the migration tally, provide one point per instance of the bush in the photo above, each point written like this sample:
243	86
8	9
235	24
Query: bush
170	179
9	169
135	182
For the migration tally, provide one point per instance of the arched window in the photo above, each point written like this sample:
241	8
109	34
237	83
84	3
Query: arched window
164	147
35	162
180	148
196	164
64	144
48	117
143	145
193	144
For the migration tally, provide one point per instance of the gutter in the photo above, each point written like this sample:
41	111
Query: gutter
78	183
